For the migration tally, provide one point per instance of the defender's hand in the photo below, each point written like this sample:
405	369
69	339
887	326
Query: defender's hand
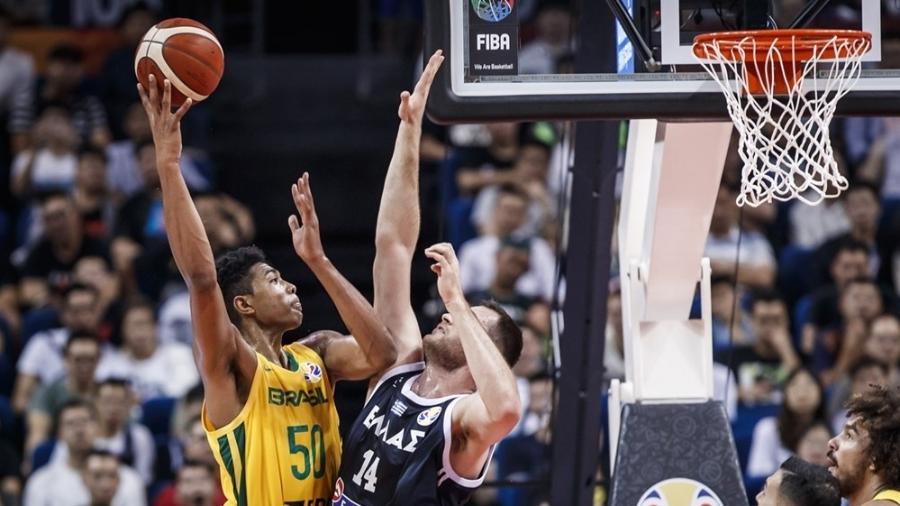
412	106
305	231
165	124
446	267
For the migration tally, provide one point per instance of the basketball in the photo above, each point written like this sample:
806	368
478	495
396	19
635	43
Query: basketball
186	53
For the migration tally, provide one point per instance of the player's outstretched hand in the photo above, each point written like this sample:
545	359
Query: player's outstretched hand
412	106
165	124
305	230
446	267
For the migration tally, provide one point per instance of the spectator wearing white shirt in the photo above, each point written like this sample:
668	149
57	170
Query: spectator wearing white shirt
478	257
42	361
16	86
756	261
101	477
51	164
153	369
129	441
60	483
554	39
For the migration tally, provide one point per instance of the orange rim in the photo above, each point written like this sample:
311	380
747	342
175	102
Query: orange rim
795	44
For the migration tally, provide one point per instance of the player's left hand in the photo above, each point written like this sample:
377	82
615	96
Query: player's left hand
446	267
412	106
305	230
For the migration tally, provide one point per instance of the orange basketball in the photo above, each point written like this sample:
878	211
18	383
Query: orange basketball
186	53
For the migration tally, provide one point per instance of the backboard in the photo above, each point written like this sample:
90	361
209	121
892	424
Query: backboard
498	68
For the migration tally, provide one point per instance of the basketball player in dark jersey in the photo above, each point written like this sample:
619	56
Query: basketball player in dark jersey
431	420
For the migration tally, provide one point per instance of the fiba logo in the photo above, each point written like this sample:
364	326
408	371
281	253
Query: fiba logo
428	416
679	492
493	10
311	372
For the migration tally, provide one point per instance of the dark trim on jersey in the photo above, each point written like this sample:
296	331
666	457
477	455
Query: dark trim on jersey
447	471
239	488
292	364
393	372
424	401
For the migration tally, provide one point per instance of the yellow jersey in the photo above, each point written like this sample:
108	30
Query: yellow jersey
888	495
284	446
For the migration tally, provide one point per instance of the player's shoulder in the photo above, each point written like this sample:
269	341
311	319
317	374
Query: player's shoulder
314	344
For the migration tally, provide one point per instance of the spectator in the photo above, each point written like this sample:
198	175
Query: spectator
491	165
228	223
731	325
63	84
51	163
97	273
836	349
130	442
91	195
530	175
864	211
614	345
851	261
478	257
196	484
192	447
811	226
101	477
777	438
16	88
82	354
60	483
813	445
49	264
118	89
187	408
878	160
153	369
538	405
41	361
761	367
756	262
883	345
512	263
127	170
865	373
553	40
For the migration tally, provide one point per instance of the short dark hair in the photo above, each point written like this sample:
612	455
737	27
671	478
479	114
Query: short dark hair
505	334
233	273
46	196
115	383
866	186
77	336
139	303
879	412
66	52
196	463
866	362
806	484
768	296
851	245
509	189
80	287
88	151
74	403
141	144
106	454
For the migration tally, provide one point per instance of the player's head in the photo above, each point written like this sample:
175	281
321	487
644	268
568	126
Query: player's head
799	483
254	290
867	451
443	347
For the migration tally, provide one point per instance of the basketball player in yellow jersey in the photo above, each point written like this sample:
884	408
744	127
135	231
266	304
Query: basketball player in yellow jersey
268	410
865	456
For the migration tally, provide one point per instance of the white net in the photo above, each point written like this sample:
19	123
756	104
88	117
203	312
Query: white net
784	137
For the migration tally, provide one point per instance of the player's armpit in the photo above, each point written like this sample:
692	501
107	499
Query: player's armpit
343	358
475	430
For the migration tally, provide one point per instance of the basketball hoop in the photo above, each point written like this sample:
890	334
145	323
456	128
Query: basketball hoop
783	125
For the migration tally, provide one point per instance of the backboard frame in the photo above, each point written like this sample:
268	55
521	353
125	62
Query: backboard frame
678	96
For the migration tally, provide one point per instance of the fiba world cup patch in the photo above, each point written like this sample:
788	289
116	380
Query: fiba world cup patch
679	492
428	416
311	372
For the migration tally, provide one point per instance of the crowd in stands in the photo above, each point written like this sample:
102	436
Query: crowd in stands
99	396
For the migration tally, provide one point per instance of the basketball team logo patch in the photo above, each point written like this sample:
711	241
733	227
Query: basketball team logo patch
311	371
493	10
679	492
428	416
